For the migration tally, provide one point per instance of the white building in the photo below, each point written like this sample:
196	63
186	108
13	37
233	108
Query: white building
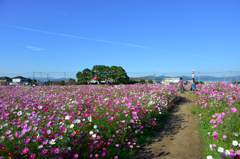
19	80
171	80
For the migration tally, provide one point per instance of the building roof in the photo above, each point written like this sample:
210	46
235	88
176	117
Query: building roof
3	78
19	77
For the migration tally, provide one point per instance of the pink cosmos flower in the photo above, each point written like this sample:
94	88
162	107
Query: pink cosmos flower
104	153
224	136
75	155
25	150
233	110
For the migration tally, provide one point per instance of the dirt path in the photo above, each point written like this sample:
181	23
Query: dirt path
179	137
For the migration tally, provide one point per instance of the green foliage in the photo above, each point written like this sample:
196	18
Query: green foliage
201	82
84	76
31	81
142	81
150	81
71	81
57	82
117	73
132	82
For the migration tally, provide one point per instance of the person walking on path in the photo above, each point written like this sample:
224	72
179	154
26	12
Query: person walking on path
193	85
181	85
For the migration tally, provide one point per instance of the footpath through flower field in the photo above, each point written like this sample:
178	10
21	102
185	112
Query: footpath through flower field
218	108
79	121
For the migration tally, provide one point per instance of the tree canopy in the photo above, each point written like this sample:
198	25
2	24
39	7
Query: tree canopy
116	73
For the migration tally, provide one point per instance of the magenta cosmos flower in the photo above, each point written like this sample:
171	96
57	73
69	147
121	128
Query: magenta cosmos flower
31	155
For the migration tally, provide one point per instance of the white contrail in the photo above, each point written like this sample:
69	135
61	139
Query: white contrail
79	37
73	36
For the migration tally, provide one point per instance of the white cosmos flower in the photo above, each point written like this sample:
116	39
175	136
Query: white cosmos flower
220	149
61	123
69	149
28	114
19	113
39	107
235	134
71	126
211	147
52	142
95	126
91	132
94	135
235	143
67	117
227	152
97	130
83	119
77	121
60	137
5	125
210	157
34	115
90	119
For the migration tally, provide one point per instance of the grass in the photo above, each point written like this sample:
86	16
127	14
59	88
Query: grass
228	128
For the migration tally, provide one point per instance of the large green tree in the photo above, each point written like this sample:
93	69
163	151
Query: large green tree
84	76
101	71
118	74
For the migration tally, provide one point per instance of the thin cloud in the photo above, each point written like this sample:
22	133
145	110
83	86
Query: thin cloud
30	47
34	48
99	40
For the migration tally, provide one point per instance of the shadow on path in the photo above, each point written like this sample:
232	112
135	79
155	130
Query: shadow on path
172	141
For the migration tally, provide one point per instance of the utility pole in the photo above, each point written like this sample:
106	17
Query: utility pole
237	78
153	76
40	77
47	77
230	77
198	76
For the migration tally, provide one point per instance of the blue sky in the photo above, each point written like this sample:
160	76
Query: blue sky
142	36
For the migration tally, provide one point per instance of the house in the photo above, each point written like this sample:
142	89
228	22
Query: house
5	80
19	80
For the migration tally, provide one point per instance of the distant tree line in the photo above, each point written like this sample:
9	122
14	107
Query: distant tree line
62	82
